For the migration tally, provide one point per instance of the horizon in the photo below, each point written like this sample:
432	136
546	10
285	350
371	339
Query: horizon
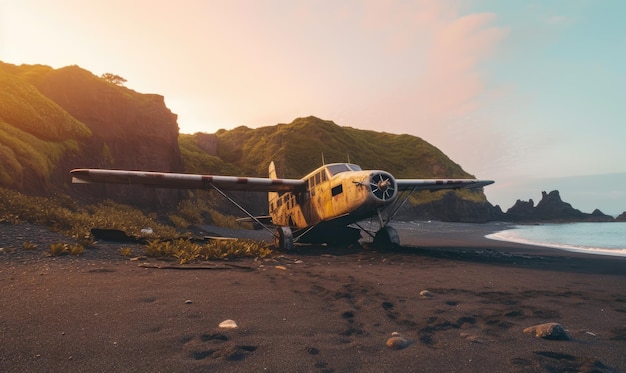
527	94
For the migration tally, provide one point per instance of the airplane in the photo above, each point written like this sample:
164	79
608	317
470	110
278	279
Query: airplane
325	206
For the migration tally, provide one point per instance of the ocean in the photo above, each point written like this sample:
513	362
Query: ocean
591	238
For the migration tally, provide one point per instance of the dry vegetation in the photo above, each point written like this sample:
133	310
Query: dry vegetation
64	215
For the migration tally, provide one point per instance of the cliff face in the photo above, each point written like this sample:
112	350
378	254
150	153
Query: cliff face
129	130
137	129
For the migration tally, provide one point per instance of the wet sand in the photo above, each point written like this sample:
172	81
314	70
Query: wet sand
319	309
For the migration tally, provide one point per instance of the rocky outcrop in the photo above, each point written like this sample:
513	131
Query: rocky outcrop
521	211
599	216
551	208
621	217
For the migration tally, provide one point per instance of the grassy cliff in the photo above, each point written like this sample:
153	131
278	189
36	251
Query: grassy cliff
35	132
300	146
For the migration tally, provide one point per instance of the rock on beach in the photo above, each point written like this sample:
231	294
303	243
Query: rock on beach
551	330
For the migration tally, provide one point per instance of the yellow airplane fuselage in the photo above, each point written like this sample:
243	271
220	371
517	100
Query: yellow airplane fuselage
328	196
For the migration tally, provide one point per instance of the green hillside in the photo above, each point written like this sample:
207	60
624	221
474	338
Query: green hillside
35	132
299	147
198	161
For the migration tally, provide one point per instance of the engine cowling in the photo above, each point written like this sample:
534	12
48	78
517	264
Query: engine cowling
383	186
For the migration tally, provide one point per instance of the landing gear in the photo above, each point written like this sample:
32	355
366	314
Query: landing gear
283	239
386	238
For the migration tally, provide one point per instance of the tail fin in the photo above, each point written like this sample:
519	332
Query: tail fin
272	175
272	171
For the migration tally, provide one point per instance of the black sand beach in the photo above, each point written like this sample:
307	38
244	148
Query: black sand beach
319	309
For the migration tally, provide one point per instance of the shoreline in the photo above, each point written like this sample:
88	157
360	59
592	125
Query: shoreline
582	248
318	309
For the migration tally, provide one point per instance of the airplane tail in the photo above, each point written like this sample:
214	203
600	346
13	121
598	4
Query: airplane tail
272	175
272	171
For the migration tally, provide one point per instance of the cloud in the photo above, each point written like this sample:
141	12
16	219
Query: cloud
437	81
459	46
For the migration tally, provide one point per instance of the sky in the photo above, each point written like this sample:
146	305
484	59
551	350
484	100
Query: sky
529	93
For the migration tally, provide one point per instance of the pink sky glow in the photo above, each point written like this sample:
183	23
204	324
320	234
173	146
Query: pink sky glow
506	89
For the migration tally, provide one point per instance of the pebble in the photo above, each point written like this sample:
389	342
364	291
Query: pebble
426	294
228	324
396	342
188	301
472	338
551	330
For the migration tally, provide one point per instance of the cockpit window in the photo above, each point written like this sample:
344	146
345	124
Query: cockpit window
338	168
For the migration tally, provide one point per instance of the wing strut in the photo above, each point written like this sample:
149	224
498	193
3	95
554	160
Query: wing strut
307	230
395	207
364	230
242	209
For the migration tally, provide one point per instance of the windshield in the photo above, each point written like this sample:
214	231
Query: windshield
338	168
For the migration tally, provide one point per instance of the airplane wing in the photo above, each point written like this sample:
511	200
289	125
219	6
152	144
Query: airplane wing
438	184
185	181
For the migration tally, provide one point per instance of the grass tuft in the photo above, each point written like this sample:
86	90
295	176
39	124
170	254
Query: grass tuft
26	245
58	248
185	251
126	251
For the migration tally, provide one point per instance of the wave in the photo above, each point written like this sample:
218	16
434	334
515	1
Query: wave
589	238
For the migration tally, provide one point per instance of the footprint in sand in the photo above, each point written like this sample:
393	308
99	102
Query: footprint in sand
215	346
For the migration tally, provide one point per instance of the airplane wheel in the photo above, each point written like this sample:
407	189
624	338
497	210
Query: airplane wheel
387	237
283	239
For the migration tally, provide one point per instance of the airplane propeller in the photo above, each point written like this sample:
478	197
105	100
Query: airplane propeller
383	186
